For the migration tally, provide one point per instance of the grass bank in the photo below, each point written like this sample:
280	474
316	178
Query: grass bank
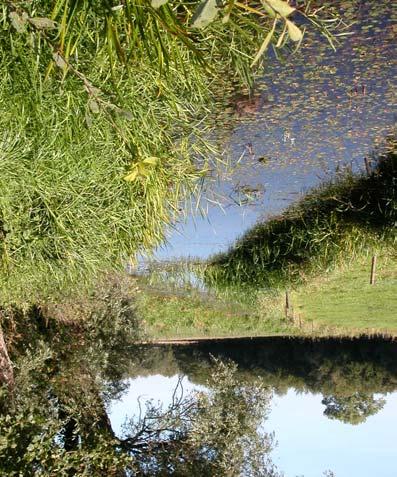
320	249
340	302
168	314
346	300
333	224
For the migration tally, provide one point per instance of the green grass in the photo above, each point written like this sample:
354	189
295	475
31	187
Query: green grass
189	316
84	104
320	249
338	302
344	299
332	224
68	140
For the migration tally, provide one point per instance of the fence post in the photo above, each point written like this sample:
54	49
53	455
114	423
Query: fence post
286	304
367	166
373	271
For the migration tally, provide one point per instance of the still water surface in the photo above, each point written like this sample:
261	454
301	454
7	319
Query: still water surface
323	110
334	403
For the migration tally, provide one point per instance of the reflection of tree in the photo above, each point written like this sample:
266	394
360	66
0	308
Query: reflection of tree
327	366
352	409
206	434
347	372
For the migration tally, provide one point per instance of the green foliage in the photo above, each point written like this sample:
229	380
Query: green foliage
353	409
64	208
91	93
69	358
333	224
56	422
105	322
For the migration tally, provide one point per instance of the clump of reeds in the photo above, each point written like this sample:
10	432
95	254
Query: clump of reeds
102	127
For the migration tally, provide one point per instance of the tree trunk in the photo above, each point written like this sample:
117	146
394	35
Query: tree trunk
6	369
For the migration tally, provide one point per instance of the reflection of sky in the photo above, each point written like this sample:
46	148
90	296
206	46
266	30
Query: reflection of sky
200	237
308	442
322	109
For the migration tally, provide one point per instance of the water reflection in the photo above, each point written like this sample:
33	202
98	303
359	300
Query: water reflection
332	367
320	111
55	421
309	442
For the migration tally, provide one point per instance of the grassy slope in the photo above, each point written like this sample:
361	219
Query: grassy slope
320	248
331	224
171	316
338	302
345	299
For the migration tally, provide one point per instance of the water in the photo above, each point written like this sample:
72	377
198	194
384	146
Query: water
309	442
359	439
324	111
334	402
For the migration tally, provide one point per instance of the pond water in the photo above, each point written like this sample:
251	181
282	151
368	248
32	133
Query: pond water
323	110
334	404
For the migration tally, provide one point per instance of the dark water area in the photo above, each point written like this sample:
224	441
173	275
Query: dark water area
333	406
324	365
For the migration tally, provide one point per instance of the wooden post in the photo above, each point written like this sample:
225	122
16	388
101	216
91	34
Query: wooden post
373	271
286	304
367	166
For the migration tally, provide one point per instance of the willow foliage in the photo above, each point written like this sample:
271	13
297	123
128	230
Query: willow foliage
102	123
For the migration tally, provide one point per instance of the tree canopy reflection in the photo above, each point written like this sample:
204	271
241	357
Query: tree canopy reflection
347	372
